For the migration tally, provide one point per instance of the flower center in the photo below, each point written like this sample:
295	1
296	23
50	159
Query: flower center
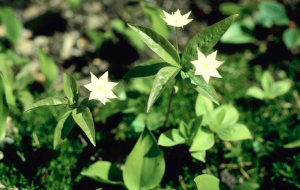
100	89
205	66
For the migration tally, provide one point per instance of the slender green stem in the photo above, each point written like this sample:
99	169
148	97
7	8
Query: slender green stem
176	40
169	104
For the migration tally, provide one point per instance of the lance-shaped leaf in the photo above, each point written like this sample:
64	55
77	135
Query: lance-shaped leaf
48	67
145	69
207	182
63	128
13	27
163	78
52	101
104	172
200	155
199	84
145	165
70	87
206	39
160	45
171	137
83	118
3	110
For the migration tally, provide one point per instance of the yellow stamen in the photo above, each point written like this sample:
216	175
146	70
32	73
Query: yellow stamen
205	66
100	89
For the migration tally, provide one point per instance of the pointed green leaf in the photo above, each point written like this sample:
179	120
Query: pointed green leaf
8	81
154	16
207	182
202	141
229	116
200	155
162	80
52	101
294	144
158	44
48	67
234	132
145	165
255	92
206	39
148	68
267	81
83	118
13	27
3	110
171	137
70	87
104	172
199	84
63	128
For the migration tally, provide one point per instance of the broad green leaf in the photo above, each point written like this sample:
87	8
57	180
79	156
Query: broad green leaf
230	116
270	13
200	155
145	165
162	80
207	182
236	34
267	81
48	67
3	110
158	44
52	101
63	128
294	144
74	4
145	69
202	141
290	37
206	39
13	27
247	186
199	84
204	107
234	132
217	119
154	16
83	118
280	87
70	87
104	172
171	137
255	92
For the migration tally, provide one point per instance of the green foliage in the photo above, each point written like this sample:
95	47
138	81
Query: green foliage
157	43
3	110
48	67
145	165
154	15
271	89
13	26
291	37
70	88
105	172
207	182
271	13
74	4
162	80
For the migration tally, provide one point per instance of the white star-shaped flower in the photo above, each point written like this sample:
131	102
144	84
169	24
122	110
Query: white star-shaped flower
207	65
101	88
176	19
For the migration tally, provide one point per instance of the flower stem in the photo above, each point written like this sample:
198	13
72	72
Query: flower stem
169	104
176	40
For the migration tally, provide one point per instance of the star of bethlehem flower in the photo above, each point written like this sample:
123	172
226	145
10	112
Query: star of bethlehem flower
207	65
101	88
176	19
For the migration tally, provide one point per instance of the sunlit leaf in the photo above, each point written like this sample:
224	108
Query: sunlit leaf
207	182
70	87
202	141
3	110
52	101
171	137
145	165
234	132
